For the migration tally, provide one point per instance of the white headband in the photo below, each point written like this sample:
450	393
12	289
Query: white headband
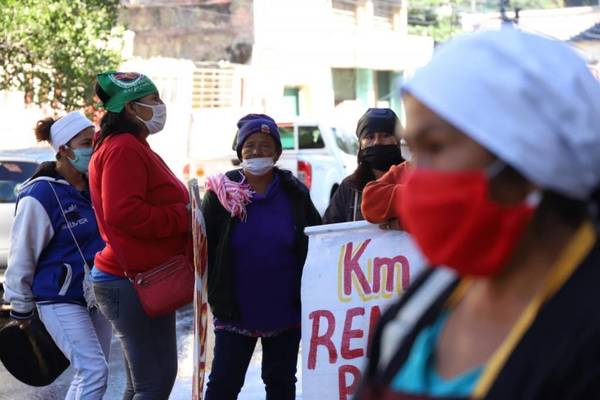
67	127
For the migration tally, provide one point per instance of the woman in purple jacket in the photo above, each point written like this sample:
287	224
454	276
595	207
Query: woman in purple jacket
255	220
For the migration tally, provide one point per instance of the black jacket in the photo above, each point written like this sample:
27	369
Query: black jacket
219	224
557	358
345	204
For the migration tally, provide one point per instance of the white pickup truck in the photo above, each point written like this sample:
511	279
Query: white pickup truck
320	156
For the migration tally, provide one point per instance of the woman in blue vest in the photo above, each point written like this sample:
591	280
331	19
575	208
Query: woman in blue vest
53	242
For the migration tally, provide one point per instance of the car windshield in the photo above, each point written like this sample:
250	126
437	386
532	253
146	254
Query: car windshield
286	133
13	173
309	137
346	141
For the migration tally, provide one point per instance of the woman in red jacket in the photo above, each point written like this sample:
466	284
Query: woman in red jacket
142	212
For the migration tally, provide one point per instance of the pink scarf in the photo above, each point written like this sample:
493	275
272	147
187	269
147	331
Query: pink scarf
233	196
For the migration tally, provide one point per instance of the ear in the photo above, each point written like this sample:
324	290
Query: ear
65	151
510	187
130	108
277	155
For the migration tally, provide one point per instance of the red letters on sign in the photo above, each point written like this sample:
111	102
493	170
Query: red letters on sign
390	267
350	333
352	267
347	390
373	319
324	340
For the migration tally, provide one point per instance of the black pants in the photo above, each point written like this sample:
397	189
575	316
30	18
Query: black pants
149	344
232	356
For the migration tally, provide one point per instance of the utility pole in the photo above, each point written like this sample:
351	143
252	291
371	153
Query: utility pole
504	5
503	17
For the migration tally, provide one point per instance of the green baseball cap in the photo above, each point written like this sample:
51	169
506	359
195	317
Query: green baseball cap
123	87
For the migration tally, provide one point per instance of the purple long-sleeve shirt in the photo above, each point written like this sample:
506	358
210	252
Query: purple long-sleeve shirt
265	265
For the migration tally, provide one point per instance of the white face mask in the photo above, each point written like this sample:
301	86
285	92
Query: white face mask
159	117
258	166
405	151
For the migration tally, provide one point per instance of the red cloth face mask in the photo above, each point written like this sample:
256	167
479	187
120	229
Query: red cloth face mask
456	224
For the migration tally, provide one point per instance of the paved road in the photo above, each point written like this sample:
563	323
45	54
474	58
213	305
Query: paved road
11	389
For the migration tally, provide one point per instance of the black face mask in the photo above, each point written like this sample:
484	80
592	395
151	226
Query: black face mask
381	157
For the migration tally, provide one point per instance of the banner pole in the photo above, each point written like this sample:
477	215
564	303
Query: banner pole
200	292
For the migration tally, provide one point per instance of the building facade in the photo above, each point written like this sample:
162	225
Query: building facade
289	58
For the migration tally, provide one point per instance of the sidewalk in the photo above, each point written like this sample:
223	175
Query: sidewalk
11	389
253	389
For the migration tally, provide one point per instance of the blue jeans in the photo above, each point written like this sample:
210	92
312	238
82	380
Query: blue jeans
232	356
149	344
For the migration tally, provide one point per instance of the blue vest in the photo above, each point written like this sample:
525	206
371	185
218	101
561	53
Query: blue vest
59	273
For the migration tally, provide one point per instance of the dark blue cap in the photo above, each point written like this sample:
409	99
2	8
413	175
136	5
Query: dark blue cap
377	120
256	123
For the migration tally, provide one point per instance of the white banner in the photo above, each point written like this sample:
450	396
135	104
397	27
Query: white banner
352	272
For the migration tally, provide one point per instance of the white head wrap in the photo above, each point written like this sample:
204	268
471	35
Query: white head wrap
529	100
67	127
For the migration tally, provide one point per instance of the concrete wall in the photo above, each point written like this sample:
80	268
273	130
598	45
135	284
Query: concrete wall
289	44
194	30
298	43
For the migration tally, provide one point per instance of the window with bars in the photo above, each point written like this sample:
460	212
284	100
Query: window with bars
385	8
212	86
345	5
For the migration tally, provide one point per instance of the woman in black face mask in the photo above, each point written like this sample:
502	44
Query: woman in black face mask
379	150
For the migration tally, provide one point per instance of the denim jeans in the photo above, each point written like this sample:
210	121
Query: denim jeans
84	336
149	344
232	355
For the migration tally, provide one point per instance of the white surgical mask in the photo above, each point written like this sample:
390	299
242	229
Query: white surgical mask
406	154
159	117
258	166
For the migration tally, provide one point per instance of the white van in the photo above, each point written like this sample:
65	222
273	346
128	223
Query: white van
320	156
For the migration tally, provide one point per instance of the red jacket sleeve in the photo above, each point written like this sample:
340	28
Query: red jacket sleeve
124	178
380	197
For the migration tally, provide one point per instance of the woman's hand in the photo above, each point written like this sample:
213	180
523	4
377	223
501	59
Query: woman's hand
392	224
23	324
21	319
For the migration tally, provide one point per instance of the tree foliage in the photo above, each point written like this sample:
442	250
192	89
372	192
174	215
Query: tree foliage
52	49
426	19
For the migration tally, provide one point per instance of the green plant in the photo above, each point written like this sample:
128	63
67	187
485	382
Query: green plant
52	49
435	18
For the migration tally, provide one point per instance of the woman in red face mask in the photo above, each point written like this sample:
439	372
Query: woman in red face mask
505	155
